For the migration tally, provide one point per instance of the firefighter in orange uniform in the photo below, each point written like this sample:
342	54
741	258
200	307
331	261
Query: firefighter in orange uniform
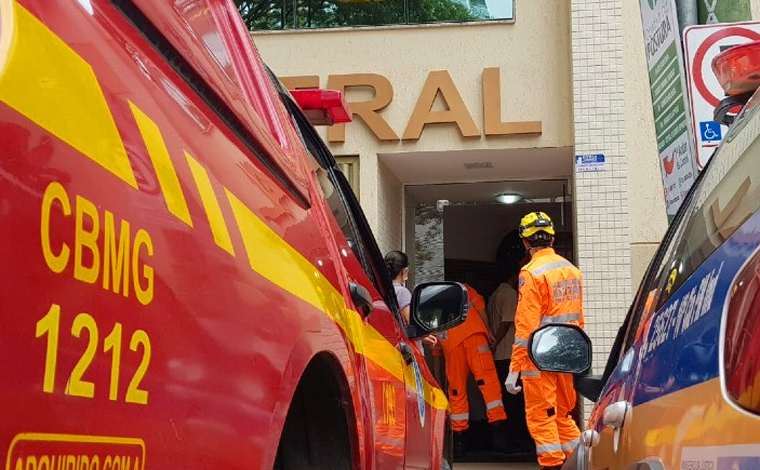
467	349
550	291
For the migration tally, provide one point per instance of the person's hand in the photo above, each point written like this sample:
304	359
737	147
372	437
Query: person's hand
430	340
511	383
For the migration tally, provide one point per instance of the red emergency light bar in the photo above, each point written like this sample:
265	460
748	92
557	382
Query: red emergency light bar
322	107
738	72
738	68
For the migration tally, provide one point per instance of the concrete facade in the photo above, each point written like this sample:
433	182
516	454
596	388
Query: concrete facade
578	67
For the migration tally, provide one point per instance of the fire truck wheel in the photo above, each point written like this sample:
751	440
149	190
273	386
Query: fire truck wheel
316	435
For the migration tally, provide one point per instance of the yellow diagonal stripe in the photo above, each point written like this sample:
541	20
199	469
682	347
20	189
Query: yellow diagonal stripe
211	205
159	156
272	257
48	82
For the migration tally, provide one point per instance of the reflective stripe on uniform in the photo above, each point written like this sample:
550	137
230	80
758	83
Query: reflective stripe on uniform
484	348
568	446
530	373
553	447
521	341
548	267
460	417
494	404
566	318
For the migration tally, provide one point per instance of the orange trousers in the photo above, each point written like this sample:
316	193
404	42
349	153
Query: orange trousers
549	400
472	355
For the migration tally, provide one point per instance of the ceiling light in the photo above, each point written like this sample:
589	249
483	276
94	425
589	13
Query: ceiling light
506	198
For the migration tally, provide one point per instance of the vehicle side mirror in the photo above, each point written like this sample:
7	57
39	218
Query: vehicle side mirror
436	307
362	298
560	348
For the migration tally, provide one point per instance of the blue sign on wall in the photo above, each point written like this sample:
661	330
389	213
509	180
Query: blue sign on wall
592	162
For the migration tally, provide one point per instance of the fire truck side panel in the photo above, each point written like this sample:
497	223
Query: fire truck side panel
164	284
115	219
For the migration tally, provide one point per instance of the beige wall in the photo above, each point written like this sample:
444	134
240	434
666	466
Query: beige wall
648	221
534	58
532	54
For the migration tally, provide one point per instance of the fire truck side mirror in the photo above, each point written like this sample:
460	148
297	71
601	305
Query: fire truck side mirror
436	307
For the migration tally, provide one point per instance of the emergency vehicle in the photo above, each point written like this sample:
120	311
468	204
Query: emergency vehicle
186	278
681	389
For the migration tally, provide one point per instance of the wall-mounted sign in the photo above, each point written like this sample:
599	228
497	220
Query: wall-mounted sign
702	44
438	84
586	163
669	101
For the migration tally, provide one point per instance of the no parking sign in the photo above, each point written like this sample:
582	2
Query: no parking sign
701	45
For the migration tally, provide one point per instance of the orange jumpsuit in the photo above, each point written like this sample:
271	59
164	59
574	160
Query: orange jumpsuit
466	349
551	291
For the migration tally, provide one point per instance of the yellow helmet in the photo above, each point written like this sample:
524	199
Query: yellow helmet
535	222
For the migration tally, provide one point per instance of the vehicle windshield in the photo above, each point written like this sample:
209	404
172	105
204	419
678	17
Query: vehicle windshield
726	196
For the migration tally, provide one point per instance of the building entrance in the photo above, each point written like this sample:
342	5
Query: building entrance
459	232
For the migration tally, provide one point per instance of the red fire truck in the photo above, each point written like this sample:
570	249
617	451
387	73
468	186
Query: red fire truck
186	278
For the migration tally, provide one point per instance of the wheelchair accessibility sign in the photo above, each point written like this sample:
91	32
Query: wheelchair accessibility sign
710	132
702	43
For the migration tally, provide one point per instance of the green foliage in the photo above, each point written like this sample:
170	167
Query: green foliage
279	14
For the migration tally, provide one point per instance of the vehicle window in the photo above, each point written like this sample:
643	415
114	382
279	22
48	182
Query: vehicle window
645	301
338	194
372	255
642	304
728	194
341	200
341	214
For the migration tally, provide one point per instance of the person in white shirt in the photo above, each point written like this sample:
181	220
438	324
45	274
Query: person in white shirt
501	315
501	309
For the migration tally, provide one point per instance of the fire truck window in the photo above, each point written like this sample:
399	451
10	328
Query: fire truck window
330	177
342	216
336	206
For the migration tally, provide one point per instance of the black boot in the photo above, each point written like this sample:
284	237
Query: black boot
460	449
499	441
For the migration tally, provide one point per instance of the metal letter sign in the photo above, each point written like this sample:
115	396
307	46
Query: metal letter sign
702	44
669	101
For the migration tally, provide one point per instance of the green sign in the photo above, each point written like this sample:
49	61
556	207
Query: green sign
723	11
669	100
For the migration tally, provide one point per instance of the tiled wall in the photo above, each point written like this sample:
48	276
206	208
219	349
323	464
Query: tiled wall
602	213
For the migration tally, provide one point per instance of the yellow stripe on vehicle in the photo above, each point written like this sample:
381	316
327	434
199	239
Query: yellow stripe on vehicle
273	258
49	83
211	205
162	163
